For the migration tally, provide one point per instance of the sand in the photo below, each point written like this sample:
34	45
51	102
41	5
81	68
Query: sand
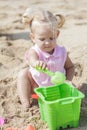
14	41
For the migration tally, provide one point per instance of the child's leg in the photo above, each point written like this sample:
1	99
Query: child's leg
25	87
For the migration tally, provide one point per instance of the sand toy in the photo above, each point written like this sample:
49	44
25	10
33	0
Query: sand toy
56	77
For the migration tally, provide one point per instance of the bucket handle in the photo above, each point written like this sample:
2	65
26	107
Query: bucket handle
67	100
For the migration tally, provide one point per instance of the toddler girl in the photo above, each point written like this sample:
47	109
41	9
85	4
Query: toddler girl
45	52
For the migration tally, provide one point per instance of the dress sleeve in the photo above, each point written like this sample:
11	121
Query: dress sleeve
26	55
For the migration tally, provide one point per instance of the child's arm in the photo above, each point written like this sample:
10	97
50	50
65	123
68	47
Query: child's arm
69	67
34	60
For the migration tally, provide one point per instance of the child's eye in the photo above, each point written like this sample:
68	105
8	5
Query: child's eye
42	39
51	38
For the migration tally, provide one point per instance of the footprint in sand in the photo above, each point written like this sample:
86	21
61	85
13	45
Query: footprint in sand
7	52
1	64
78	70
3	15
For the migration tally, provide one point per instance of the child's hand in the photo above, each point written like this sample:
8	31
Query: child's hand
70	82
41	64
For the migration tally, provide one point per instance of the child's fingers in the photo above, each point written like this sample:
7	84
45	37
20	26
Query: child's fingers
42	64
78	87
37	63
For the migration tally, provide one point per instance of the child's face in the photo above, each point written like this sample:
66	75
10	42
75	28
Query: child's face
45	37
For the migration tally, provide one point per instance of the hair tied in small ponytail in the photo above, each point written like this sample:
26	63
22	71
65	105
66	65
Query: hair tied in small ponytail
27	17
60	20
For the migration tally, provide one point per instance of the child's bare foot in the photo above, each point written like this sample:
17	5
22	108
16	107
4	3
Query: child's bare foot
34	102
78	87
26	106
26	109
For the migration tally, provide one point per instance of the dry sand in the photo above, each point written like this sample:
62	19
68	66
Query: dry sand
14	42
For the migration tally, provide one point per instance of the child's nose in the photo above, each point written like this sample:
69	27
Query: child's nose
47	41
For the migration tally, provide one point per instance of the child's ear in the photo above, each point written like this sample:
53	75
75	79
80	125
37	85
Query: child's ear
58	32
32	37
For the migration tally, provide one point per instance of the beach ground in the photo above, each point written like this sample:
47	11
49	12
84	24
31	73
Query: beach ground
14	41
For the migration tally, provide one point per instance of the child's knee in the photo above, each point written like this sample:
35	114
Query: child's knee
23	73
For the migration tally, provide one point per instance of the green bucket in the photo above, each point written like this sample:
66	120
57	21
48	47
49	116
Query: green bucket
60	105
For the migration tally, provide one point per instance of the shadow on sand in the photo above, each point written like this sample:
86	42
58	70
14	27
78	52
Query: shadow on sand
16	36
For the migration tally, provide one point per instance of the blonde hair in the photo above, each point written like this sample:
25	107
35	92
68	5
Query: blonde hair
42	16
